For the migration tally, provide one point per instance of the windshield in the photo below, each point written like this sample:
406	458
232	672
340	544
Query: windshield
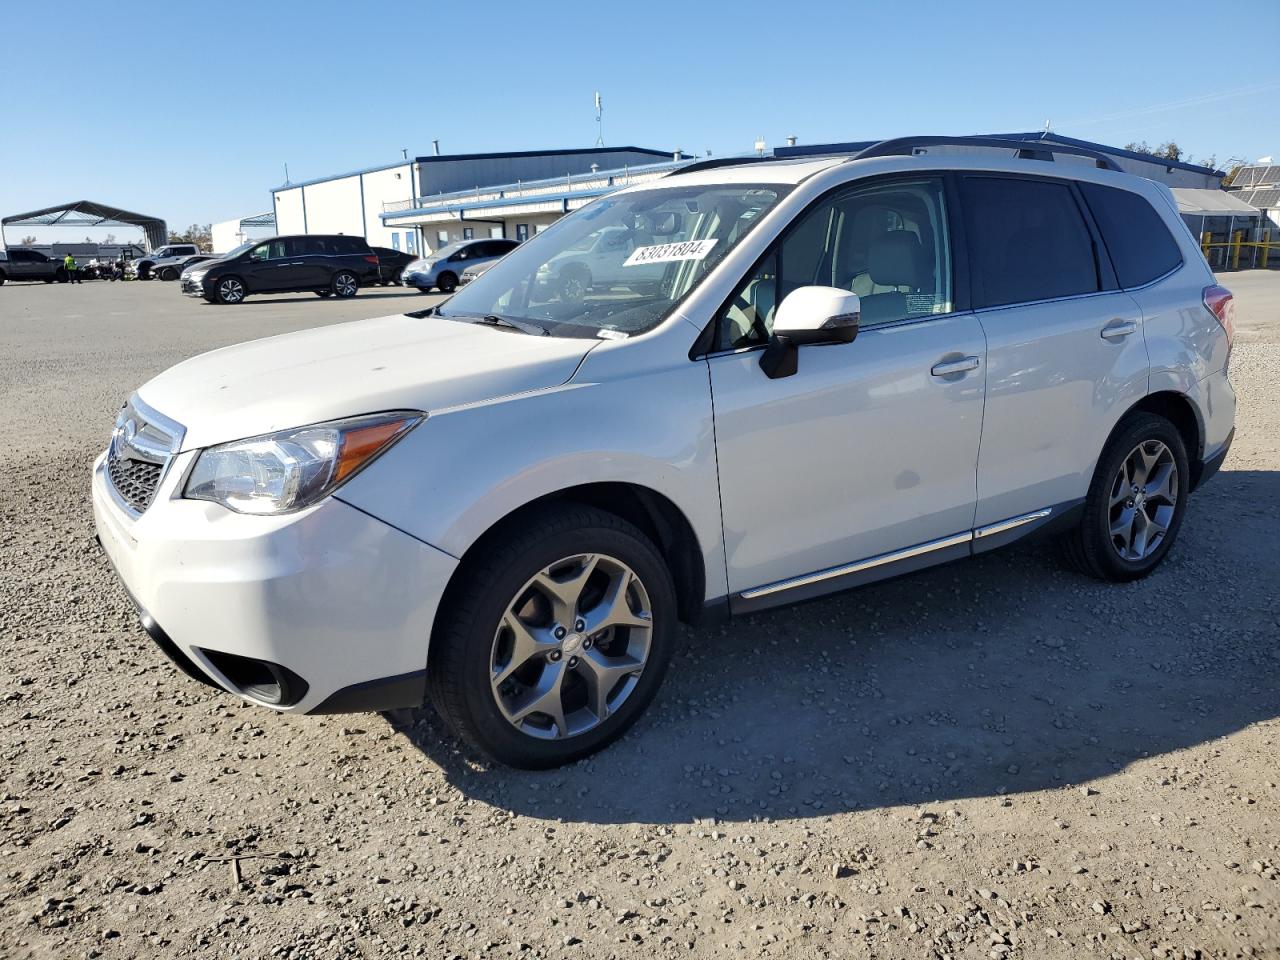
619	264
239	250
447	250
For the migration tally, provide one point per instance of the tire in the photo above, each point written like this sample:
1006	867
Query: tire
61	275
447	282
1133	479
574	284
345	285
230	290
324	294
475	638
2	278
168	273
423	289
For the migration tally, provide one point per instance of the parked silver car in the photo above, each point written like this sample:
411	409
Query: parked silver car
444	268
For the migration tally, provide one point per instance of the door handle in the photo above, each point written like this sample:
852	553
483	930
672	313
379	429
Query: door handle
949	367
1117	329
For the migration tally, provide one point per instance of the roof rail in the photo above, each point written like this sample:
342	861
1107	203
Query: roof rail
1024	149
715	163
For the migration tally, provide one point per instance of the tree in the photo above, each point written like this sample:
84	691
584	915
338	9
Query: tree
1165	151
28	240
200	235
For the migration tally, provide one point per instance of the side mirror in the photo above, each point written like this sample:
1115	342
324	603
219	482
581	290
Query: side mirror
809	315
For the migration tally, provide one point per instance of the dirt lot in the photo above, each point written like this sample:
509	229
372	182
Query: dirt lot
992	759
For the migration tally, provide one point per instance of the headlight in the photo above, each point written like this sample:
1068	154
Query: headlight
287	471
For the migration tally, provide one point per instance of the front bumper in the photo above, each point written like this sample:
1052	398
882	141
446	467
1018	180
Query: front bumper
416	278
339	601
193	287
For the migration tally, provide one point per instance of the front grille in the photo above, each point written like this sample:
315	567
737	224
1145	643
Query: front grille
142	445
134	480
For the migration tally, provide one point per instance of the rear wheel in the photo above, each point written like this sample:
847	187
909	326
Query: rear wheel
168	273
230	290
447	282
557	639
574	284
345	284
1135	503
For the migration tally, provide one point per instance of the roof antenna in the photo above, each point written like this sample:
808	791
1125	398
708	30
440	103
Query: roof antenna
286	171
599	121
1048	129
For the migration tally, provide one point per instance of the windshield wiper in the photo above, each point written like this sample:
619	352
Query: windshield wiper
507	323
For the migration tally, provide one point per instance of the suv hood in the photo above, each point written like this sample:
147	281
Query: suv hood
391	363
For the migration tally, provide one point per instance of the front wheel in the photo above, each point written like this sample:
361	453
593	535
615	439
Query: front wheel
230	290
1136	502
557	639
447	282
345	284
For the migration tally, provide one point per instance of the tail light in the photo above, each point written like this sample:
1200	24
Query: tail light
373	258
1223	306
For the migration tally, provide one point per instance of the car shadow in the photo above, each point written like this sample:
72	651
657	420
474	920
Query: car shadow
267	299
1001	674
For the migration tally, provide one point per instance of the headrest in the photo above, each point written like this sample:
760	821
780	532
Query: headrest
896	260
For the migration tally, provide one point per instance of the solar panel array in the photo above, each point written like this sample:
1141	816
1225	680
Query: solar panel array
1265	198
1257	175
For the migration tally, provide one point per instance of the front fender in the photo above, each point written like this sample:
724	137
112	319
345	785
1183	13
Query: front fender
467	468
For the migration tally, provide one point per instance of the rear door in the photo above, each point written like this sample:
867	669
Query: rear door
21	266
1065	351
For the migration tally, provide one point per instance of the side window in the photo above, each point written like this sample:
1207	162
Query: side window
271	250
316	246
888	243
1027	241
1140	244
297	247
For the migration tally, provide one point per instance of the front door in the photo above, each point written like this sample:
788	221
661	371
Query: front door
870	448
275	265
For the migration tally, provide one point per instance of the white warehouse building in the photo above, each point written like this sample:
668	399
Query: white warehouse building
358	202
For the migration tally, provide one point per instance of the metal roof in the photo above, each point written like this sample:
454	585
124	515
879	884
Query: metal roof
89	213
1211	203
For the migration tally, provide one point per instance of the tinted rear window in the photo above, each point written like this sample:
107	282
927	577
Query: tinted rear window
1027	241
1140	244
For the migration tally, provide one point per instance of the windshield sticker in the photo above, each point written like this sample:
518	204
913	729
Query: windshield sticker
670	252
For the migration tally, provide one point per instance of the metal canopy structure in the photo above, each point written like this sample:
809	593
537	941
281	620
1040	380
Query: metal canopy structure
88	213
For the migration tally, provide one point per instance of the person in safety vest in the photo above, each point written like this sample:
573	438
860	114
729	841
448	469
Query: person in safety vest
73	269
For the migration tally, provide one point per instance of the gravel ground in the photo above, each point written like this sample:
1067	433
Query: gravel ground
996	758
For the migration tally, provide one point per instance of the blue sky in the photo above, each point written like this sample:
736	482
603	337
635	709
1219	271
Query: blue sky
191	114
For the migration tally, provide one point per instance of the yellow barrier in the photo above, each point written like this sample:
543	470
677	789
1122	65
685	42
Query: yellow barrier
1233	247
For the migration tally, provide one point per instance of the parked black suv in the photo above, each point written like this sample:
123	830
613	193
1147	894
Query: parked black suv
391	262
329	265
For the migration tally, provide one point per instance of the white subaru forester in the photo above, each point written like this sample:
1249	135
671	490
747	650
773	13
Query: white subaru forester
844	369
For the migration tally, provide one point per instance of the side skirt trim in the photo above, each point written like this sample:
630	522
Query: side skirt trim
991	529
973	541
848	568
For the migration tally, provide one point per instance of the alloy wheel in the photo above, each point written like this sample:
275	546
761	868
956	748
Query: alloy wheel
1144	496
345	284
571	646
231	291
